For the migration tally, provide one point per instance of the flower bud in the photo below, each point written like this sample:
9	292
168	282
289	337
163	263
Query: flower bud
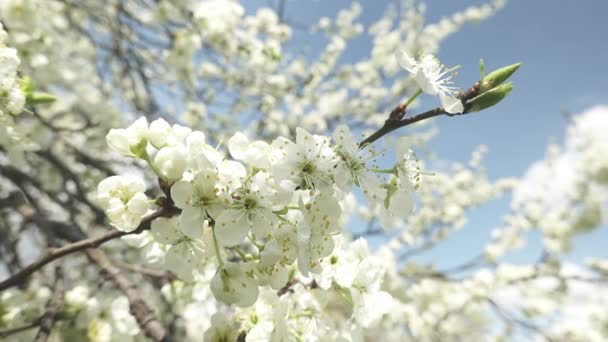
490	97
497	76
171	162
38	97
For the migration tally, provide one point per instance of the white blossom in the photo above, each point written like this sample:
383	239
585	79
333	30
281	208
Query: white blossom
123	200
433	79
235	284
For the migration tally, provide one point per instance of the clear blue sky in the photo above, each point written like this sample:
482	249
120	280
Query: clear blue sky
564	49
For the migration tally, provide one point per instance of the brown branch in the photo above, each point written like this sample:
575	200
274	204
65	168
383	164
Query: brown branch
95	242
52	307
163	276
395	120
11	331
138	307
392	124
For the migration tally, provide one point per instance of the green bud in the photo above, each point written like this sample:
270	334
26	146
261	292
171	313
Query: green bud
497	76
490	97
38	97
482	69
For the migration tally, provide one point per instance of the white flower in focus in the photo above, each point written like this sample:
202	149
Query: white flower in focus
251	209
198	199
234	283
353	167
320	222
186	258
166	230
433	79
306	164
276	258
130	141
123	200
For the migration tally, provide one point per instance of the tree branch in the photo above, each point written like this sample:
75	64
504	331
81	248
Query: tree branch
28	326
395	120
52	307
138	307
78	246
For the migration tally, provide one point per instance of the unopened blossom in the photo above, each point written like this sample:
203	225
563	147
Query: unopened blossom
433	78
252	153
171	162
124	201
162	134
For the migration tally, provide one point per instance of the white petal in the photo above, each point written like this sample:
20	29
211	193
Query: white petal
406	61
195	231
182	259
181	192
165	230
138	204
231	227
233	286
192	218
451	103
159	130
237	145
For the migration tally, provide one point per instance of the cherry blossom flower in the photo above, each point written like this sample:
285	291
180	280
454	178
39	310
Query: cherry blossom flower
433	79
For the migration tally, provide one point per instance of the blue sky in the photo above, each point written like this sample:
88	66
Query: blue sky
564	51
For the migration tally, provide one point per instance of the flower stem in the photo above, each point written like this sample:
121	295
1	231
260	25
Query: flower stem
412	98
383	170
217	249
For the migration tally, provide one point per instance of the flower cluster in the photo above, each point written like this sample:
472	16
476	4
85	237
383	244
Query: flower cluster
12	98
258	217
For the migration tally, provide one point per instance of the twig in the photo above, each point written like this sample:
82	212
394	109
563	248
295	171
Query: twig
164	276
52	307
395	120
138	307
54	254
501	313
391	124
28	326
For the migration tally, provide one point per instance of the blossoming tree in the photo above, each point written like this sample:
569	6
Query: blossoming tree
180	171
